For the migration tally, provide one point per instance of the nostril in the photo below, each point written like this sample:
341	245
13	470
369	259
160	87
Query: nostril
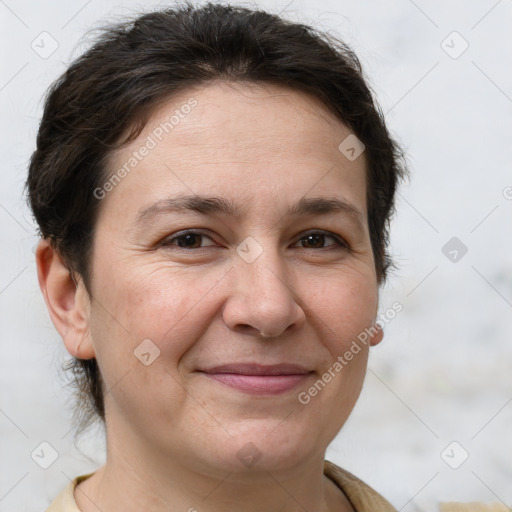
249	329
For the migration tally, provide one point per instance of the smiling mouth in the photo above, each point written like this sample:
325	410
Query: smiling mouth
259	379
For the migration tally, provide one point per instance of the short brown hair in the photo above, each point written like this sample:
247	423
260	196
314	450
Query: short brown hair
106	96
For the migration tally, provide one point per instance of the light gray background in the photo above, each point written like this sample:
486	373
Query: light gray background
442	373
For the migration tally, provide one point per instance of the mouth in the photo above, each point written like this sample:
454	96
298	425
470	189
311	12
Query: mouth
258	379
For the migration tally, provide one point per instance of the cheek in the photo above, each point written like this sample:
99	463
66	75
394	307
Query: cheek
167	306
342	308
344	305
164	306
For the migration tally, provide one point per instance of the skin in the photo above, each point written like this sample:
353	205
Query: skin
173	434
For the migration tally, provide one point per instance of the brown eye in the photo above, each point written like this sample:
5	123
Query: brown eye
186	240
316	240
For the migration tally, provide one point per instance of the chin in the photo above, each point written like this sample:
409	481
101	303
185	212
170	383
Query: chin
272	447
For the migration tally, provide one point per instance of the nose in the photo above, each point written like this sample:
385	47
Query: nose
262	298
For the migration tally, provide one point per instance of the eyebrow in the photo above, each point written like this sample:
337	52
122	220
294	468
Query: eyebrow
214	205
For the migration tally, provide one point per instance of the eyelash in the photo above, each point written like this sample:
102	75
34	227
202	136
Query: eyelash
339	241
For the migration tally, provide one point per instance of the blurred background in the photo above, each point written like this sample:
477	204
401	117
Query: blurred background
434	420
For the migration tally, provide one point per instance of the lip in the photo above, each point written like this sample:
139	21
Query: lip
259	379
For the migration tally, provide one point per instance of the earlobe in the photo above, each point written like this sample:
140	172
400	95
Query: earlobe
378	336
67	302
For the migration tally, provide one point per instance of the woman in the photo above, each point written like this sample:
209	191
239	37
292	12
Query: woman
213	188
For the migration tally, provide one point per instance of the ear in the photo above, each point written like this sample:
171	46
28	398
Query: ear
68	302
378	336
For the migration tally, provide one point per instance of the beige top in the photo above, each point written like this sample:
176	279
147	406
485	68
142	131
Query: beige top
362	497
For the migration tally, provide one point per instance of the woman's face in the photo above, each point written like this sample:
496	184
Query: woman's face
168	306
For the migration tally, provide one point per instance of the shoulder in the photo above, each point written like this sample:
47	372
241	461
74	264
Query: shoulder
65	501
366	499
473	507
362	497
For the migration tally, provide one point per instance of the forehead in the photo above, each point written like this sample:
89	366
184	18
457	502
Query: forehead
241	139
248	118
